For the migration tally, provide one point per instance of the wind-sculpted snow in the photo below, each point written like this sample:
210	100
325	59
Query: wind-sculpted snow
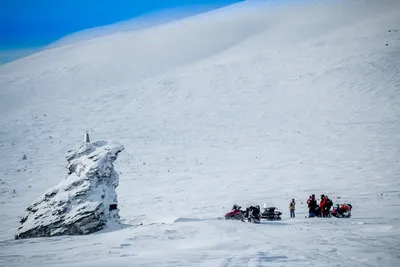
85	202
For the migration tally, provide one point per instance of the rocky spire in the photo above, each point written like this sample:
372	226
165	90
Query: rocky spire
83	203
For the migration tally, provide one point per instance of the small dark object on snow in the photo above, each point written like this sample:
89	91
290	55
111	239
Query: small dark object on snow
87	138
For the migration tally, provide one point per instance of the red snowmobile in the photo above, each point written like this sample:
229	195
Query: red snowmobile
235	214
251	214
342	211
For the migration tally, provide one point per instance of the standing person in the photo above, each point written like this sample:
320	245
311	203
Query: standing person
312	206
292	207
322	205
309	200
328	206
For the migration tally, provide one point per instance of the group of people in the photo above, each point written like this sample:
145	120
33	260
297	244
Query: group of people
315	209
320	209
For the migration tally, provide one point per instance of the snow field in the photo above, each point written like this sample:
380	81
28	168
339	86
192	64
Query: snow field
241	104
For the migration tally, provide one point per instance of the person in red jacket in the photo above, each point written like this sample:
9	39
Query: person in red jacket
322	205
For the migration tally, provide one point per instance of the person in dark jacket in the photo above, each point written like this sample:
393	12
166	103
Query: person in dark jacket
312	205
328	206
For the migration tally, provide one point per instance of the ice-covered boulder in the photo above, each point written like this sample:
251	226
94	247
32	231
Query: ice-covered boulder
83	203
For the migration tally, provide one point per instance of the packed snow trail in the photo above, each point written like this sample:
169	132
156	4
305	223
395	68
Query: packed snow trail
247	103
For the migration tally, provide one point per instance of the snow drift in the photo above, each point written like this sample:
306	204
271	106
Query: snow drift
85	202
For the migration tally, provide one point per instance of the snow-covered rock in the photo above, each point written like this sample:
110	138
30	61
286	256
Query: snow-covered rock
85	202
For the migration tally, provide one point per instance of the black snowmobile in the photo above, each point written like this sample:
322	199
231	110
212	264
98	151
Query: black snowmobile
317	213
271	214
253	214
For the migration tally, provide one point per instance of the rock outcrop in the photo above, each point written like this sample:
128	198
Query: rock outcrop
83	203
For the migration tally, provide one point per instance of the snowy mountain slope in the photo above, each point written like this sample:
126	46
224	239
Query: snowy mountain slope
144	21
243	104
129	56
133	55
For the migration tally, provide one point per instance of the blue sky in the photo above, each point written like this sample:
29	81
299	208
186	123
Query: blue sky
30	23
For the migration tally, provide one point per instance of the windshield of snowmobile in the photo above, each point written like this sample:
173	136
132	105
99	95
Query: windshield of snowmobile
268	205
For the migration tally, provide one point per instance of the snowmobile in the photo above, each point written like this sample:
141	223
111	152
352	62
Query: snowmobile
235	214
271	214
342	211
253	214
317	213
